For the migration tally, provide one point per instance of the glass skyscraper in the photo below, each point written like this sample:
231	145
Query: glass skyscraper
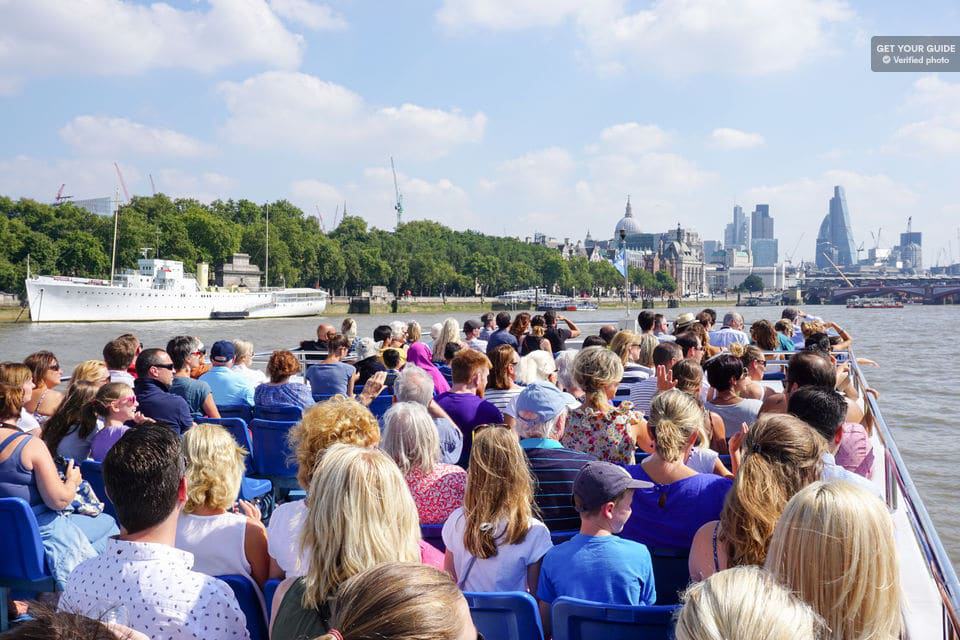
835	238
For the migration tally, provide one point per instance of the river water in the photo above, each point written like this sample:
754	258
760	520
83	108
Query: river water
916	380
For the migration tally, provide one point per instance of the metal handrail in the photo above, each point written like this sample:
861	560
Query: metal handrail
899	484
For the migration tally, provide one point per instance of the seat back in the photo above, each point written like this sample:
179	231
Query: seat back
320	397
269	589
671	573
242	411
92	472
559	537
238	429
575	619
23	558
249	600
511	615
271	449
279	412
431	535
380	405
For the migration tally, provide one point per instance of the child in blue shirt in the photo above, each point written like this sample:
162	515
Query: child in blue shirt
595	564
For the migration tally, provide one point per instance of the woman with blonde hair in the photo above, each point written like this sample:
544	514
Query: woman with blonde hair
833	546
449	332
535	340
222	542
626	344
705	457
401	601
648	342
745	603
681	500
44	399
359	514
781	455
410	438
243	361
537	366
94	371
610	433
414	332
493	542
337	420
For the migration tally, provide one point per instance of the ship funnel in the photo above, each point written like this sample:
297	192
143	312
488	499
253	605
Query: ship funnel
203	274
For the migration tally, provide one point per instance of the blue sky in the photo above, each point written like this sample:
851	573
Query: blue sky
505	116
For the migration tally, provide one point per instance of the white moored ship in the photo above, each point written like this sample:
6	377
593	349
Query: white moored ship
159	290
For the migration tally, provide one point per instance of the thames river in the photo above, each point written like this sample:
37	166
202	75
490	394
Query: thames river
916	380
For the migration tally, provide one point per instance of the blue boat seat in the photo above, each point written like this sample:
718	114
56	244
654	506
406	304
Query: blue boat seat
269	589
92	472
559	537
242	411
271	452
238	429
510	615
575	619
248	597
279	412
671	573
23	563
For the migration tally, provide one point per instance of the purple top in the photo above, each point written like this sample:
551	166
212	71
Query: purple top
419	354
668	515
468	411
104	439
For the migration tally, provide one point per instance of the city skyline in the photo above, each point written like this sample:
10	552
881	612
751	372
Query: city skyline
503	117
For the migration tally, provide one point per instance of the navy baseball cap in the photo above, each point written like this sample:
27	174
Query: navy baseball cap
222	351
600	482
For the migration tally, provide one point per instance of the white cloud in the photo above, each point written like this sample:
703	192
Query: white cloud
505	14
631	137
295	110
937	102
114	137
205	187
747	37
30	177
113	37
312	15
725	138
372	196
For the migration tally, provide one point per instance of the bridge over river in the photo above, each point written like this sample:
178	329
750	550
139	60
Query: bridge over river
926	289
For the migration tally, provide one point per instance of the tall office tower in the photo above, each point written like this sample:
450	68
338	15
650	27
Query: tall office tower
835	238
737	233
763	245
713	251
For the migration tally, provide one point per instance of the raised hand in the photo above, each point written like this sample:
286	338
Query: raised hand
665	380
249	509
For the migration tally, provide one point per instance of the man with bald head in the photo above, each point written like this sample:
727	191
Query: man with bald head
324	333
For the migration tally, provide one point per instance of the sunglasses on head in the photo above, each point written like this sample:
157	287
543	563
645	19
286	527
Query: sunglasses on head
490	425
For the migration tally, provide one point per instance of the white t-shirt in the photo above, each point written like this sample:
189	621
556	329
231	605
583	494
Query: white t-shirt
283	537
702	460
506	571
216	542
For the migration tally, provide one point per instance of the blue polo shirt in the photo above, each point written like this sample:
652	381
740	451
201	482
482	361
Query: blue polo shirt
501	336
228	386
554	468
605	569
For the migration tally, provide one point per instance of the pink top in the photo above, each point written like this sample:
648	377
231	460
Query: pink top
419	354
438	493
430	555
603	434
856	451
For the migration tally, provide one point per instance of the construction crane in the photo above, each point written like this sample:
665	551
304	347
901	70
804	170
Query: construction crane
859	251
60	197
153	186
396	187
320	220
876	239
845	278
126	194
789	257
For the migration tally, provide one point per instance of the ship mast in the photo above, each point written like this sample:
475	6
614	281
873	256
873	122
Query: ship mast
266	271
113	252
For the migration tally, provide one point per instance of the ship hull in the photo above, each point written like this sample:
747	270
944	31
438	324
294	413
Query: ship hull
65	300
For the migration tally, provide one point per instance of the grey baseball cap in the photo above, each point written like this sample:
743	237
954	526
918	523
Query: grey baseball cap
601	482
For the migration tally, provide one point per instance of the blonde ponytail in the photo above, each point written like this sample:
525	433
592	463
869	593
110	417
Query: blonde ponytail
674	417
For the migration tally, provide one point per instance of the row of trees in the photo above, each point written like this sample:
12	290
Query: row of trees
424	257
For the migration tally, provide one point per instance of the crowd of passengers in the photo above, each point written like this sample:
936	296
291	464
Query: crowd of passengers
498	432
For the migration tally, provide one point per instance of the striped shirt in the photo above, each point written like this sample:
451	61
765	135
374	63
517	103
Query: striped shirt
632	374
554	468
500	398
641	395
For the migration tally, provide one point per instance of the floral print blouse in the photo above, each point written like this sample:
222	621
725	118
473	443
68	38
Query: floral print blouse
438	493
604	434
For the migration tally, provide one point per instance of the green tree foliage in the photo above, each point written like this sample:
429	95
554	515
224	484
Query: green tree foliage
752	283
423	256
665	282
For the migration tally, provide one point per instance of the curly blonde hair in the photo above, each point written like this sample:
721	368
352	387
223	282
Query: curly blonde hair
215	465
91	371
337	420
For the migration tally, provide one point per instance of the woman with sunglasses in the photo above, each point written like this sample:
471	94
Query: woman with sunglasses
115	405
45	399
493	542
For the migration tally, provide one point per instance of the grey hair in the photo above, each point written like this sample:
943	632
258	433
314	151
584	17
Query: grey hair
536	365
410	437
349	329
732	317
564	362
547	429
397	329
244	351
413	384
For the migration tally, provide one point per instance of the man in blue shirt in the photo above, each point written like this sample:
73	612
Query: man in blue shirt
152	388
595	564
541	412
228	386
502	335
